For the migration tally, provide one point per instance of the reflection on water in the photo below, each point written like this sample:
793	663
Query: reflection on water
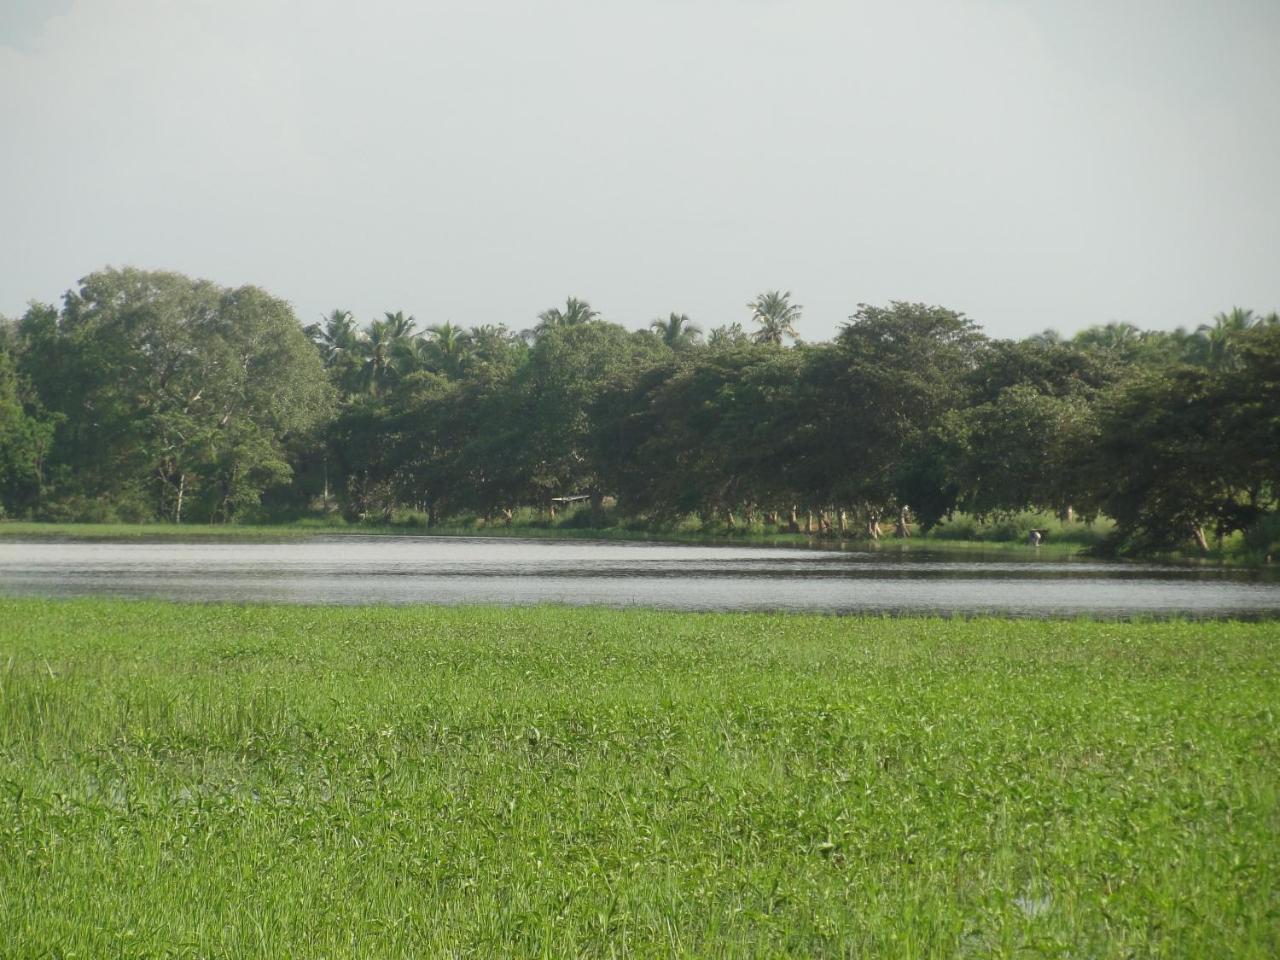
382	569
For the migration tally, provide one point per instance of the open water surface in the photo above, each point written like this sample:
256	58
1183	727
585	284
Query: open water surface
387	569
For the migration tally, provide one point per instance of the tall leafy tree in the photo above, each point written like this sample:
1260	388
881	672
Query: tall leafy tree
26	434
172	391
557	391
896	373
727	336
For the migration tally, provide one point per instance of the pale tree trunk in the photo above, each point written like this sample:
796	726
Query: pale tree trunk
182	490
873	528
1198	532
729	521
506	516
808	522
844	522
902	529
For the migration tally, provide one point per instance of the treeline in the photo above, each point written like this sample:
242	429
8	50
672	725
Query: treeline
155	396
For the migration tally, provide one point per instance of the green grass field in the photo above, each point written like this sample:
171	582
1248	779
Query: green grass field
223	781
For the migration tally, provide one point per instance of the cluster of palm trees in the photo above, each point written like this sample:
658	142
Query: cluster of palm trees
364	360
1211	344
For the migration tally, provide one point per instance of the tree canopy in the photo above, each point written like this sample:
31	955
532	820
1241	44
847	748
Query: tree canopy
150	394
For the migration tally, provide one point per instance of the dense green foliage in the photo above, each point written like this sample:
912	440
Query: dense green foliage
249	782
167	397
154	396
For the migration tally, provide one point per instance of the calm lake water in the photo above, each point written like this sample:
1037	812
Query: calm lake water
385	569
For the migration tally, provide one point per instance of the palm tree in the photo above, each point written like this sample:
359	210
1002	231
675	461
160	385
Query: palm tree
341	346
335	337
1218	338
776	315
1118	338
399	325
490	334
452	346
412	354
384	347
491	342
1047	337
677	331
575	312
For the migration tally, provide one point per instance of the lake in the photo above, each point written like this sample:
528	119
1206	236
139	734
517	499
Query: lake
389	569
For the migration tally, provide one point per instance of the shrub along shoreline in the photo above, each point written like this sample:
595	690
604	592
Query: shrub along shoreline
1072	544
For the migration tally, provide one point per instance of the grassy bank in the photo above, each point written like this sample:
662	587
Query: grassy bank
268	781
964	537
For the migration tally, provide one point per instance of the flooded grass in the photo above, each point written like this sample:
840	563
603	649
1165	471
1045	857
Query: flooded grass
180	780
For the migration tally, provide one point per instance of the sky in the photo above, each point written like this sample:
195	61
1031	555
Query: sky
1032	163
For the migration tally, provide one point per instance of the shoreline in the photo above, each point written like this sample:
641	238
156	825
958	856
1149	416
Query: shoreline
123	532
1058	549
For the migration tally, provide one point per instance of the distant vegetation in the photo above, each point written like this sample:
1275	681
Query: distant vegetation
189	780
152	396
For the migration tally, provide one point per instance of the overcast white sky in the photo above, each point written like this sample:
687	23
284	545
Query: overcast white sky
1036	163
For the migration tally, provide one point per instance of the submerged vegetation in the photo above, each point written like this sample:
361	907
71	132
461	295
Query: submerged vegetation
185	780
150	396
